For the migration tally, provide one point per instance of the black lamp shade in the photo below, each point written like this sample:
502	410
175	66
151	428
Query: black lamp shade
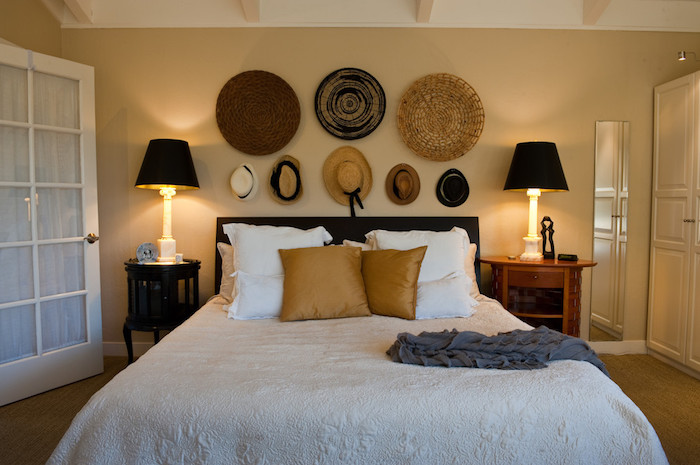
536	165
167	163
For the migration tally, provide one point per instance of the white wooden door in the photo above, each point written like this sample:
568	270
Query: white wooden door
673	217
693	323
50	316
610	226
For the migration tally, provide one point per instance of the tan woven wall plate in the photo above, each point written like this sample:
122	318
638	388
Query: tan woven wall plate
257	112
440	117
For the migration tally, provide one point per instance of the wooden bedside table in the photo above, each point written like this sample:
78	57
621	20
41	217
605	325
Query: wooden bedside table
161	297
546	292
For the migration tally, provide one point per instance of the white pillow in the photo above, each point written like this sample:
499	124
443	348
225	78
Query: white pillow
445	298
470	270
362	245
446	249
257	297
226	287
256	248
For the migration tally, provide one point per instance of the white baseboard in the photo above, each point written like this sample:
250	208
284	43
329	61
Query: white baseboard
118	349
619	347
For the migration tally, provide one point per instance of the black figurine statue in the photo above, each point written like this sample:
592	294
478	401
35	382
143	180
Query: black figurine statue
547	233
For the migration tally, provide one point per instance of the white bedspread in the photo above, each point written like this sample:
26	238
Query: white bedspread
220	391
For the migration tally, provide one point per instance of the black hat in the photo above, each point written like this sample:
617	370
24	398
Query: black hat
452	188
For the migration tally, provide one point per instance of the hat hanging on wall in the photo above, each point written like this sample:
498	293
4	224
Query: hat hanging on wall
452	188
350	103
257	112
285	180
440	117
244	182
347	176
402	184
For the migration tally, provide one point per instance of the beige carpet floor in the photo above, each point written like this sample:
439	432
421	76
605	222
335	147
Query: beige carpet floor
31	428
669	398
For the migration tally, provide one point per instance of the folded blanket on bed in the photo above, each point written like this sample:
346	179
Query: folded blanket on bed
514	350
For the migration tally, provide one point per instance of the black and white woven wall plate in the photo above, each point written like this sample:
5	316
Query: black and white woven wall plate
350	103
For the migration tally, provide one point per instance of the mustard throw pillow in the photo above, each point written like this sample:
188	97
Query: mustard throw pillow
391	280
323	282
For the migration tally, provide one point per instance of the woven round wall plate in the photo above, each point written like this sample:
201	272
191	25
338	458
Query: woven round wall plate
440	117
350	103
257	112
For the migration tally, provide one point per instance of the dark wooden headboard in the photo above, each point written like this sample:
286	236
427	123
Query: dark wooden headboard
354	229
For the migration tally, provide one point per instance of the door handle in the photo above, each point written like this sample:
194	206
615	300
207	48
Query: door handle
689	220
91	238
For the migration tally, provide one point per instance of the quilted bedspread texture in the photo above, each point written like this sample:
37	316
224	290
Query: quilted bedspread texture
219	391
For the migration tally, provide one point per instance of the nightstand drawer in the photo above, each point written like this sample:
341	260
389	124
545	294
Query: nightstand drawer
534	278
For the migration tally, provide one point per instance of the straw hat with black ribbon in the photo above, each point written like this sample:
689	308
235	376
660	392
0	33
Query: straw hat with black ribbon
285	180
244	182
347	176
452	188
402	184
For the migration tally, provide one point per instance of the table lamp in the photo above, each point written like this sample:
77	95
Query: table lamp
167	166
535	169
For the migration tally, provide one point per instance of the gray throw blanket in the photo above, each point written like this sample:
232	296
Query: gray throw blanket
514	350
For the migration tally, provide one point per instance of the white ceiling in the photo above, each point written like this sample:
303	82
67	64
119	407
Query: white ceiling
647	15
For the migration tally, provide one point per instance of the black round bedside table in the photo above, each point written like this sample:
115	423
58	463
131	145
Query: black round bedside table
161	297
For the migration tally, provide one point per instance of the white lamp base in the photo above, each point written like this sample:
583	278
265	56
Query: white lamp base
532	253
166	250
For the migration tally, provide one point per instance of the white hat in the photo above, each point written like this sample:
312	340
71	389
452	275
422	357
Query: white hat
244	182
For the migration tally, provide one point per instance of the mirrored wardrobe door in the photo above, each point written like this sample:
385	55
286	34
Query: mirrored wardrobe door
609	230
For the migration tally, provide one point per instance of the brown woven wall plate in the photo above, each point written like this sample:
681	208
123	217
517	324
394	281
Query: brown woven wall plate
440	117
257	112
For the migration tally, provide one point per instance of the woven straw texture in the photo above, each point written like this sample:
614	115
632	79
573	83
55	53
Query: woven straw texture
440	117
350	103
257	112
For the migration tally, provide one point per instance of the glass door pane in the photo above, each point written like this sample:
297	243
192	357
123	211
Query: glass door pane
61	268
13	94
56	101
19	329
57	157
14	153
15	211
63	322
59	213
16	275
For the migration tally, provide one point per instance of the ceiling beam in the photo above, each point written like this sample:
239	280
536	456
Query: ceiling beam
424	10
81	9
593	10
251	9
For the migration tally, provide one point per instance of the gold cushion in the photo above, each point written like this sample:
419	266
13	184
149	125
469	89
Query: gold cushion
323	282
391	280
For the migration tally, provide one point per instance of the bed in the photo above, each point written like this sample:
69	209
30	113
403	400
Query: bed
219	390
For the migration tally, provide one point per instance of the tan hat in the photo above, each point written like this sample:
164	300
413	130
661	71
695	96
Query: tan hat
347	176
402	184
285	180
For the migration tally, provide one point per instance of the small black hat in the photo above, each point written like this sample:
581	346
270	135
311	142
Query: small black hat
452	188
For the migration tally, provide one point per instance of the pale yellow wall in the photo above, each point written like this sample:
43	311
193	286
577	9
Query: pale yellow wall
28	24
534	85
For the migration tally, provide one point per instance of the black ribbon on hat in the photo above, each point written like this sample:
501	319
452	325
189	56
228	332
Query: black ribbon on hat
354	196
251	189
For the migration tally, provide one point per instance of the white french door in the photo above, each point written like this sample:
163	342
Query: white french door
50	315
